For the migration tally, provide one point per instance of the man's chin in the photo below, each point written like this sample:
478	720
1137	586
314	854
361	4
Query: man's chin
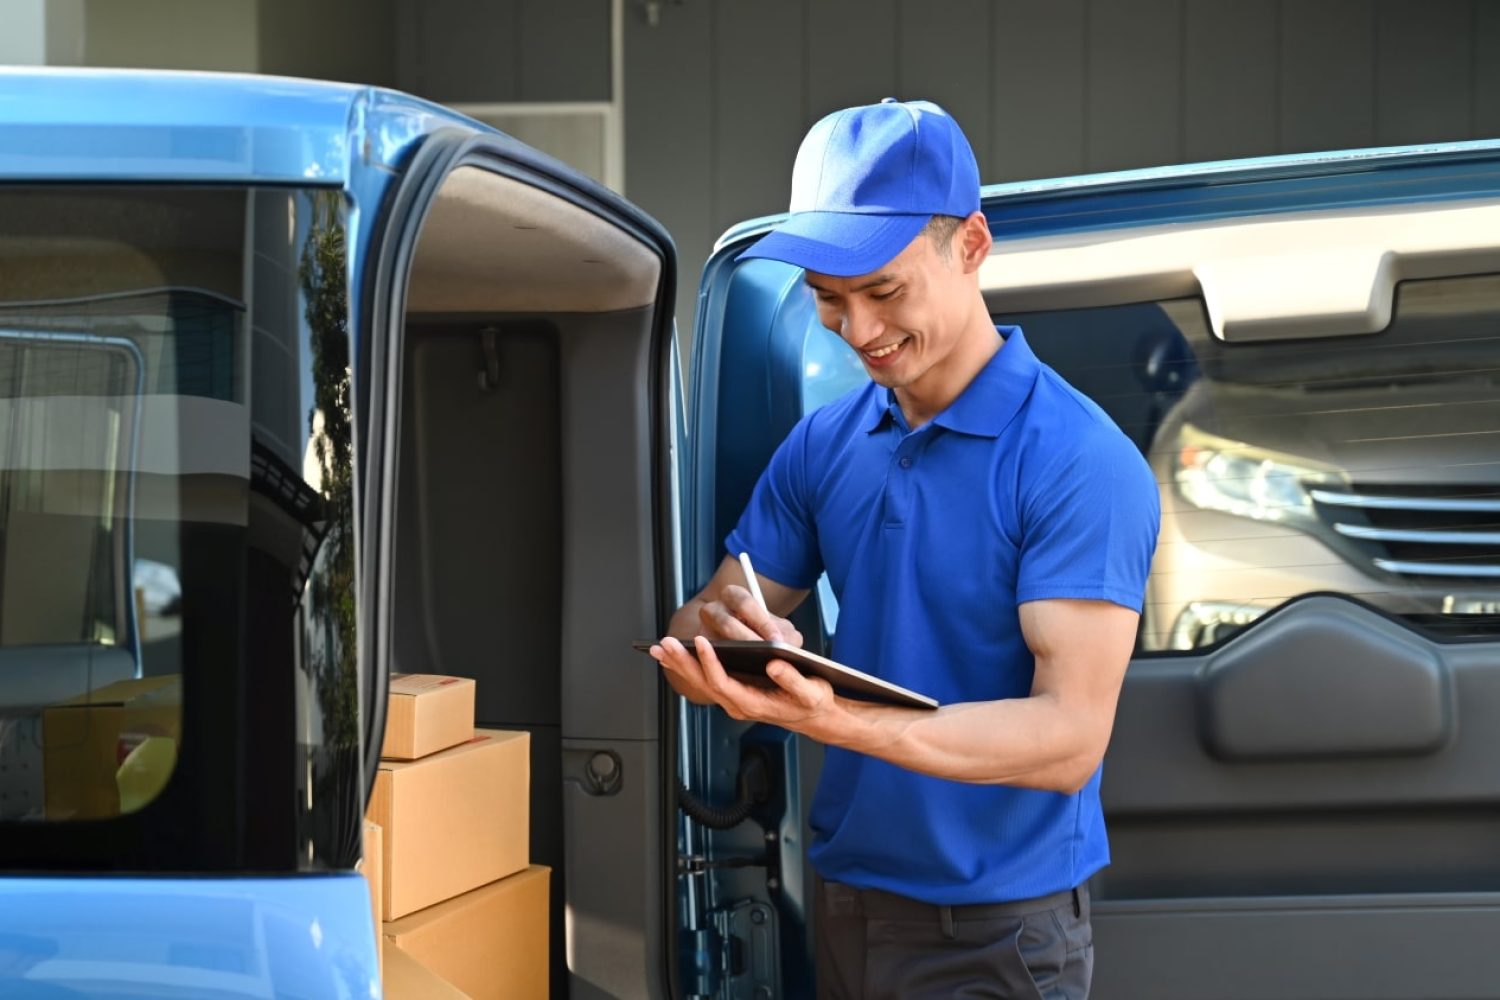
890	378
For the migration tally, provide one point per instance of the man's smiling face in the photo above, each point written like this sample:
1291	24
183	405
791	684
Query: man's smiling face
905	318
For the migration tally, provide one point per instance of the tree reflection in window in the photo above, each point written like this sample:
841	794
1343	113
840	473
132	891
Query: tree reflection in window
328	599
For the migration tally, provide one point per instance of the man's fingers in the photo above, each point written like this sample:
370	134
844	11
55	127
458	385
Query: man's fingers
673	652
732	696
738	615
808	691
719	620
700	667
682	664
790	680
743	605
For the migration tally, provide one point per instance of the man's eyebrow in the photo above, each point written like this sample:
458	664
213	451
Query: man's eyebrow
879	279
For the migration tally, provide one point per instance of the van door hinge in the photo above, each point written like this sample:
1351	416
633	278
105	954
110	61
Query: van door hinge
697	864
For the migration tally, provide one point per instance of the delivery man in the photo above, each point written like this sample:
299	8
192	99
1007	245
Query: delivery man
988	532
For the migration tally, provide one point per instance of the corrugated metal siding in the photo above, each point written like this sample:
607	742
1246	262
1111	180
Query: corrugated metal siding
719	92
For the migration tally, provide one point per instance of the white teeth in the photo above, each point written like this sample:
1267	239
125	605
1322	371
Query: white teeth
885	350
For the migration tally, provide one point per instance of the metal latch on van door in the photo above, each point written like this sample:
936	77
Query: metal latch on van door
598	772
751	961
737	957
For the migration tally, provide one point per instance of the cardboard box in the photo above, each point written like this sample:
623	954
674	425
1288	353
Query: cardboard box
85	739
490	943
372	867
455	820
427	713
407	979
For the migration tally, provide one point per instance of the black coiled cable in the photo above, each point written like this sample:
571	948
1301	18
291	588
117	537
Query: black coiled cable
754	788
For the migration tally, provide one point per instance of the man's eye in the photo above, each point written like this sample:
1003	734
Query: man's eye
882	296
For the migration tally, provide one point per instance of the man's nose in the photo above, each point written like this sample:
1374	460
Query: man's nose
861	325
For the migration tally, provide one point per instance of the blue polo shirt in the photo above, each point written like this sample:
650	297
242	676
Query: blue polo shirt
1021	490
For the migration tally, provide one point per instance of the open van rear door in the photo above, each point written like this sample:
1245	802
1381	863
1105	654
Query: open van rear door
1301	790
518	528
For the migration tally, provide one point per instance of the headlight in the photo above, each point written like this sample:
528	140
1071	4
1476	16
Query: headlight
1216	473
1203	623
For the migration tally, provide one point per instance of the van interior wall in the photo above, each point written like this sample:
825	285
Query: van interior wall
524	438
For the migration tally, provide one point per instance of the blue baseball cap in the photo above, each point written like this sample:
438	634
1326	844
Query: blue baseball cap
866	182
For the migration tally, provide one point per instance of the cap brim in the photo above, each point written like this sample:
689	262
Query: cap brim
842	244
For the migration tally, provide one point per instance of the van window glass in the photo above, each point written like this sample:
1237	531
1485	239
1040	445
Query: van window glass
175	478
1358	465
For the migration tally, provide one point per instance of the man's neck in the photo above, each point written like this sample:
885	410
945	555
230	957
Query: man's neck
936	390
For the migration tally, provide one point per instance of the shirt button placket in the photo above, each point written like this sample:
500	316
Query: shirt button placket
898	487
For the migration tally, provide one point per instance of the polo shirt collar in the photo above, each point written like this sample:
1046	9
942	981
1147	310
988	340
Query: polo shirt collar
986	405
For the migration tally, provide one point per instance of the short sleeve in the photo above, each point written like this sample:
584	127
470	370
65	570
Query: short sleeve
778	527
1089	523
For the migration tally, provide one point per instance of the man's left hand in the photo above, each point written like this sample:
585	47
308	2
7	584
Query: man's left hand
801	704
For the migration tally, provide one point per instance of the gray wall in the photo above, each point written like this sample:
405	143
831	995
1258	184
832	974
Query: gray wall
171	34
483	51
348	40
719	92
493	51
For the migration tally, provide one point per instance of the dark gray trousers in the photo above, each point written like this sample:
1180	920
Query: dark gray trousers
874	945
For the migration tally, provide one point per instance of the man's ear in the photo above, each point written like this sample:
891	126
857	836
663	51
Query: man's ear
974	242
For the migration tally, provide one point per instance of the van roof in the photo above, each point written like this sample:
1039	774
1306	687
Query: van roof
171	126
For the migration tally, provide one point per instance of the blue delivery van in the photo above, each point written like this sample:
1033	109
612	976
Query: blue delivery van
304	384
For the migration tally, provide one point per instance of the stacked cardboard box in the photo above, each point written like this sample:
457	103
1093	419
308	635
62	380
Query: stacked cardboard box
491	942
458	905
406	977
427	713
372	867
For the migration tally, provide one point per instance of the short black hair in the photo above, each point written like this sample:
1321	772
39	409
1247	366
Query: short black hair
940	229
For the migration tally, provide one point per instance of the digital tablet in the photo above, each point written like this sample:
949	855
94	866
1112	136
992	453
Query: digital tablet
747	659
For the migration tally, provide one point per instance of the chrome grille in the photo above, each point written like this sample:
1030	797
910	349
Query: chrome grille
1423	532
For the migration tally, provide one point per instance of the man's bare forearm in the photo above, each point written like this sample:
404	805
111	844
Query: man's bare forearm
1054	739
1026	742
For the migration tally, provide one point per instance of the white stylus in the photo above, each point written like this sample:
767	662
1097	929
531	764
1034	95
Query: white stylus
753	582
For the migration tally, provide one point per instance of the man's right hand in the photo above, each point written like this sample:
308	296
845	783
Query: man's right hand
725	609
738	615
